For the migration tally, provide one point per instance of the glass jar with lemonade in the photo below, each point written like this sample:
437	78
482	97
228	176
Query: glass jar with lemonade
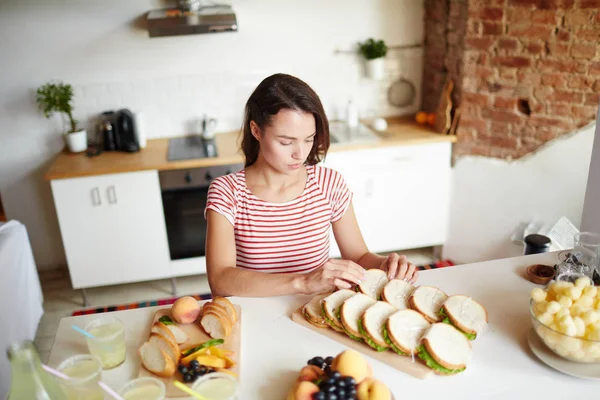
109	340
145	388
84	372
217	386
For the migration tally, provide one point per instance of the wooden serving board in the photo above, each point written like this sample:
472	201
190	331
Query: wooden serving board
196	336
401	363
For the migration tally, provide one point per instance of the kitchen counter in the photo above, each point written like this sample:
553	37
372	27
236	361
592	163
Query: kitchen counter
401	132
274	348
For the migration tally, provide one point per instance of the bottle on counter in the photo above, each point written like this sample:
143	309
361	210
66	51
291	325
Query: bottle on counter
29	379
351	115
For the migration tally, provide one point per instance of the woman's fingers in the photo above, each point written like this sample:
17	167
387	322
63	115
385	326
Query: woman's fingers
410	272
414	277
345	274
403	268
346	265
392	265
341	284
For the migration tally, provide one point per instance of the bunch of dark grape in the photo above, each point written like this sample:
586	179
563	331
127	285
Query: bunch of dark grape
333	386
193	371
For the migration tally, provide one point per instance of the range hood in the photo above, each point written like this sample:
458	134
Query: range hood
175	22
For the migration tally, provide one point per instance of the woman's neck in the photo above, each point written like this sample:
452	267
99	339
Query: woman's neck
263	175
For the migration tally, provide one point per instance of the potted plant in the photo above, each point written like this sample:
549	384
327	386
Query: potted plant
57	97
373	51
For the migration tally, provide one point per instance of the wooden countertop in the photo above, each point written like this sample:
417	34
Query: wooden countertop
401	132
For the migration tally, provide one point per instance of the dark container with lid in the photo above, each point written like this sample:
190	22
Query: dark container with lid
536	243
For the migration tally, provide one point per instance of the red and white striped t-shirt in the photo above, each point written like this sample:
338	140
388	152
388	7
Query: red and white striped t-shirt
281	237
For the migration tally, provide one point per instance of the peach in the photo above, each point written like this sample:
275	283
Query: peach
303	391
372	389
185	310
352	363
310	373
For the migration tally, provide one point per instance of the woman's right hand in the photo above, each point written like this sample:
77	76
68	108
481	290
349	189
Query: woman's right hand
334	273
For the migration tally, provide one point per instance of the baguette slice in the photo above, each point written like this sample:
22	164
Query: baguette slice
373	285
403	331
465	314
397	292
212	306
372	322
156	360
161	329
216	325
312	311
228	305
178	333
446	347
166	345
351	311
331	307
428	301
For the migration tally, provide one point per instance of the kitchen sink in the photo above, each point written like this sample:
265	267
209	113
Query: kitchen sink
340	133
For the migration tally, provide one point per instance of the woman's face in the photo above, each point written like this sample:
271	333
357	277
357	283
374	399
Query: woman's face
286	143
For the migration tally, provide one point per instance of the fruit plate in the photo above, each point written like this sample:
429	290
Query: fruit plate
579	370
196	336
405	364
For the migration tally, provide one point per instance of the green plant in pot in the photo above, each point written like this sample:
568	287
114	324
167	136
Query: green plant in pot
58	97
373	51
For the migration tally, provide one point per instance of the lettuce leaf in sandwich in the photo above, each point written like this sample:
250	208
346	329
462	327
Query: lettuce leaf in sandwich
431	363
367	338
446	320
330	322
387	339
351	336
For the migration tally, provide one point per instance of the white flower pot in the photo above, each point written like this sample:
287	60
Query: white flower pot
375	69
77	141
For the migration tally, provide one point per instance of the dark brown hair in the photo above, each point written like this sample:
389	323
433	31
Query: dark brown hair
277	92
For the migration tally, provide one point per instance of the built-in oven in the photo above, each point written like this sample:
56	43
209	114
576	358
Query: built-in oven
184	193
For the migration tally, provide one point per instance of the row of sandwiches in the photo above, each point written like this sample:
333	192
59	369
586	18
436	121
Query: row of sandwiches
394	315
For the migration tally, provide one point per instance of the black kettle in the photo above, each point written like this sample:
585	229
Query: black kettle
126	132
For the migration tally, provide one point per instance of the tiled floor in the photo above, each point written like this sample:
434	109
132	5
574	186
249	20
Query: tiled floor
60	299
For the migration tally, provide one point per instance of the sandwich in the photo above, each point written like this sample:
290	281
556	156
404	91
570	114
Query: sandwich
312	311
373	284
396	292
331	307
445	349
351	311
403	331
371	322
428	301
465	314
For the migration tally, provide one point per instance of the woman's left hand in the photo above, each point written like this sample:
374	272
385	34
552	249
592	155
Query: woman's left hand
398	267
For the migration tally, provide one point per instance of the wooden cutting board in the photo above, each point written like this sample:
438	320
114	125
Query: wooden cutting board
196	336
401	363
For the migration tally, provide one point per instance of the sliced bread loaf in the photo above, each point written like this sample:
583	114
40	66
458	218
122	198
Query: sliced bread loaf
156	360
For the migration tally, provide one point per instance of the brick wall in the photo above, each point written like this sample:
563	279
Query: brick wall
530	73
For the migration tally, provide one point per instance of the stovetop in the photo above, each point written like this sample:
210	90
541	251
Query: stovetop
191	147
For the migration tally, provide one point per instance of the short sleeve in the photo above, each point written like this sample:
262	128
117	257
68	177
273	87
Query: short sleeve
221	198
341	196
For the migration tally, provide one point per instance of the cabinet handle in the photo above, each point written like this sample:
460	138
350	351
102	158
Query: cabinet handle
96	200
111	193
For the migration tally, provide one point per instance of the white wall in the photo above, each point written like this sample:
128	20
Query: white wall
590	220
99	47
491	197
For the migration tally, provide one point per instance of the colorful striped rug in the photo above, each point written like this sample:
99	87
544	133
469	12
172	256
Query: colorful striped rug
171	300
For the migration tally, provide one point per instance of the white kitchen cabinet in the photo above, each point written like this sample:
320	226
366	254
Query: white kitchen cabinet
401	194
113	228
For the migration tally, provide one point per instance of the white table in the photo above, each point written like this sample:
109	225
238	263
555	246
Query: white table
274	348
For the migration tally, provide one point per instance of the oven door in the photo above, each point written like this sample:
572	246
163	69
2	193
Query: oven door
186	225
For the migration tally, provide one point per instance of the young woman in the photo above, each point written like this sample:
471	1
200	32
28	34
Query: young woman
269	224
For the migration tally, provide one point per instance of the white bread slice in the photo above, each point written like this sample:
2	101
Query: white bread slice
215	325
166	345
428	301
372	286
466	314
405	328
397	292
220	309
156	360
447	346
373	320
161	329
312	311
228	305
331	306
352	310
178	333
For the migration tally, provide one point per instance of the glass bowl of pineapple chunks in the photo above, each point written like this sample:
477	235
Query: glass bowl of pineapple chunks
566	316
